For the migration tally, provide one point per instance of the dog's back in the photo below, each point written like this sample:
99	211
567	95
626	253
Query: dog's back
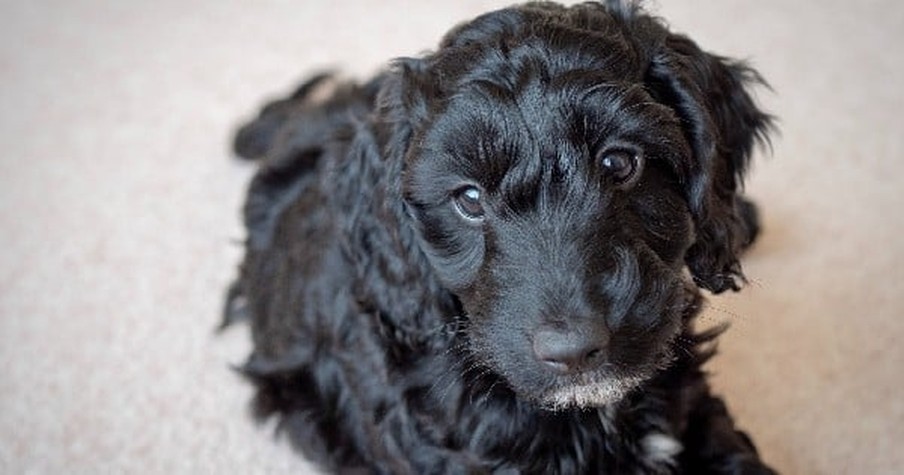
292	241
289	137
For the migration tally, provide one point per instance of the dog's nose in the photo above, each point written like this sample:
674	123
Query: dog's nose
571	351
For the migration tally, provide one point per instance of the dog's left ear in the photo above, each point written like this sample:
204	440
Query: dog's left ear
722	124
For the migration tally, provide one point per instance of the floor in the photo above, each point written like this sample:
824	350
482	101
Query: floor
119	223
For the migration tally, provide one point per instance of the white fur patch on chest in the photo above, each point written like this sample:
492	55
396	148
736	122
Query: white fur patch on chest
660	449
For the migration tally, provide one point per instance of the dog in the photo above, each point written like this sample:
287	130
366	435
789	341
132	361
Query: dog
489	259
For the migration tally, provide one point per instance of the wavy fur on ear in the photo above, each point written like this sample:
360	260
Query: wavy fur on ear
393	279
722	123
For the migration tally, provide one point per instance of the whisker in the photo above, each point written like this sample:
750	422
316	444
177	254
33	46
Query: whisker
723	310
483	373
447	372
758	283
489	393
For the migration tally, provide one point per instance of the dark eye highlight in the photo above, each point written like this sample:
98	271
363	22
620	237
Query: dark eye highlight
468	201
620	166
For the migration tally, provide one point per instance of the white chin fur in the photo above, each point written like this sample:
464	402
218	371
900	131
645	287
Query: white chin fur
594	394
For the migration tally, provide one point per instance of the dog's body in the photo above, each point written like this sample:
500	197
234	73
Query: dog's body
489	259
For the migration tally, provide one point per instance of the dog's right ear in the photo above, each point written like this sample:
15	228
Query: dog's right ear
402	101
394	282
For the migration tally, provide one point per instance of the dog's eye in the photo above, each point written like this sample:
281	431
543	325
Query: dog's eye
468	202
620	165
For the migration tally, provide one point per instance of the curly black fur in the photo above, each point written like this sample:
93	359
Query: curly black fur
489	259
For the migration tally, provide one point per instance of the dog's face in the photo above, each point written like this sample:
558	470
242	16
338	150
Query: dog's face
557	194
555	218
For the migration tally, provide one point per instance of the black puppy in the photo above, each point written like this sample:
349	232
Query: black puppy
488	259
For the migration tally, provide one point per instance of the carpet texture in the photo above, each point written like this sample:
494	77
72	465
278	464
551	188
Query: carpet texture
119	223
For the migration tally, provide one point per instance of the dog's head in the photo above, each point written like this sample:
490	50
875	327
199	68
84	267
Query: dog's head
565	167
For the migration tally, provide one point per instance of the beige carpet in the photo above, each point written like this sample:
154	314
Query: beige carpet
119	222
